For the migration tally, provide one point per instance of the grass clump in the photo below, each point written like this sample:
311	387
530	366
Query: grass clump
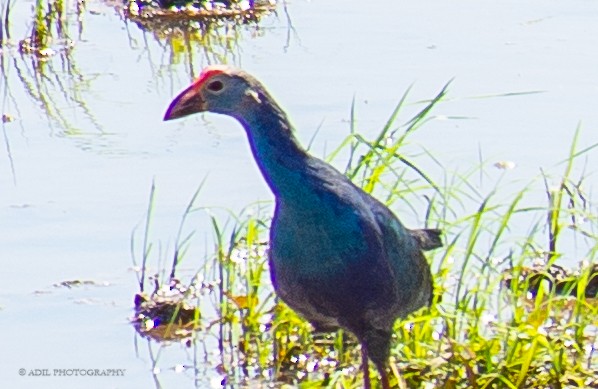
185	15
507	312
202	4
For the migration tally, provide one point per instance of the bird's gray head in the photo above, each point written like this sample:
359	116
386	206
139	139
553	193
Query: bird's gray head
218	89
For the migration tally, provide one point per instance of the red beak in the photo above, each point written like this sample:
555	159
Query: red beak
186	103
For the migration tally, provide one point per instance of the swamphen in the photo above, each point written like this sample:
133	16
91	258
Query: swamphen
338	256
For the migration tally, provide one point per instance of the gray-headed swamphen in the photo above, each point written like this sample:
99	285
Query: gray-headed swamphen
337	256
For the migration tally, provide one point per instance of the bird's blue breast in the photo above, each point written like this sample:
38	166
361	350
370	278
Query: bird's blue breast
316	231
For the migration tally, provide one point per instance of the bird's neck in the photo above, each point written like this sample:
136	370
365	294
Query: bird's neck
277	152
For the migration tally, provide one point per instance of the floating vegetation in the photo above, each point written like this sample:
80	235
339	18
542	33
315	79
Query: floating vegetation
555	279
170	312
51	28
167	314
7	118
78	283
50	31
173	17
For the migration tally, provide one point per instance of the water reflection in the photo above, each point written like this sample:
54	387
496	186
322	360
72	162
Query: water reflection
51	84
193	368
44	63
193	35
46	70
47	82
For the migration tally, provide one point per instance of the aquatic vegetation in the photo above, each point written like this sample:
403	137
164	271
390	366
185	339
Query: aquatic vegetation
179	17
49	82
214	8
44	61
210	31
166	314
51	28
554	278
4	23
493	323
42	65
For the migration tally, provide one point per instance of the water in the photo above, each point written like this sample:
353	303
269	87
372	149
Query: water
84	155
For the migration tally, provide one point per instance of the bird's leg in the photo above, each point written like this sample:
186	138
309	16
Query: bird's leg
377	345
364	366
383	377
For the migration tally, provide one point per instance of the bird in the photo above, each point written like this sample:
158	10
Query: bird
337	255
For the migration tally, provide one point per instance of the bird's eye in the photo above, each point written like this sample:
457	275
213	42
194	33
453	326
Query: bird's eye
215	86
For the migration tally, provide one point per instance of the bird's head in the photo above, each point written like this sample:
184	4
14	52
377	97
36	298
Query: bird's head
218	89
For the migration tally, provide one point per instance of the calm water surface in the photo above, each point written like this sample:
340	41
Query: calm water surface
88	140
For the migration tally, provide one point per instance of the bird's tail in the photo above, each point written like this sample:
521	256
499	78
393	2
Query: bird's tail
428	239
